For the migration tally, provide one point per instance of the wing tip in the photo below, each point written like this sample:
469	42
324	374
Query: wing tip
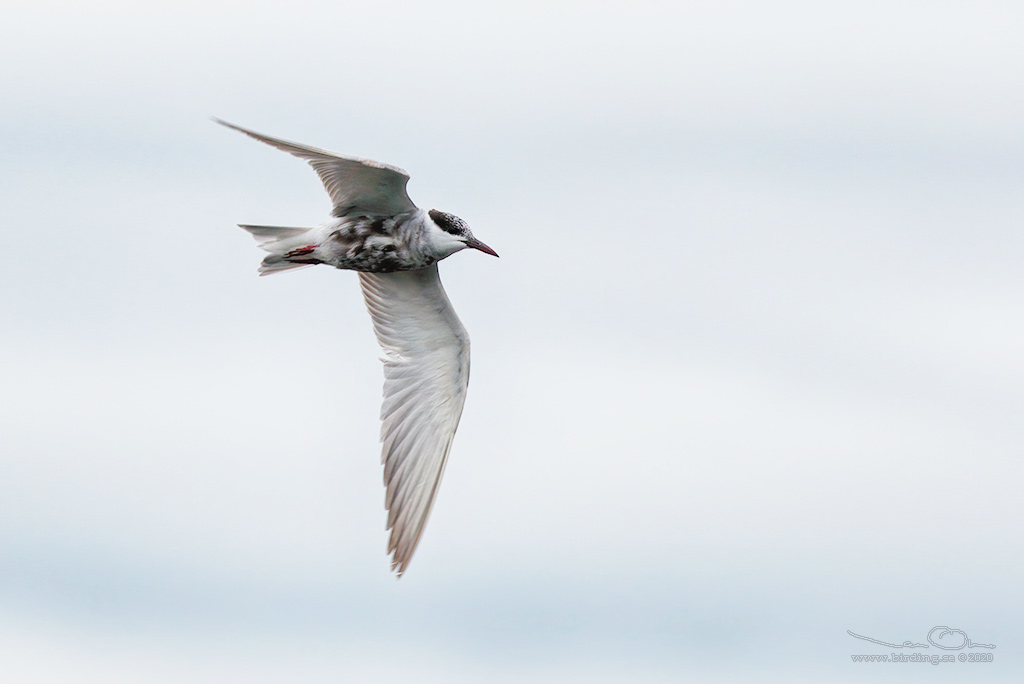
222	122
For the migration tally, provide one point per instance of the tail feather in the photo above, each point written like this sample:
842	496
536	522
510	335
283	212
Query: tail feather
272	263
266	234
280	242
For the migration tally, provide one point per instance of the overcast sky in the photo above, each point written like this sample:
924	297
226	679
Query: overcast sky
747	375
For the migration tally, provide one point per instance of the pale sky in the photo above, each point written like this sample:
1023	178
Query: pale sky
746	376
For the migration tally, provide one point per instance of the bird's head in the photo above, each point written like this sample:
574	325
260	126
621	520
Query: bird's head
449	234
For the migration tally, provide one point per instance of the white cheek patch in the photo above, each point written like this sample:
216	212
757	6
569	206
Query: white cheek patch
444	242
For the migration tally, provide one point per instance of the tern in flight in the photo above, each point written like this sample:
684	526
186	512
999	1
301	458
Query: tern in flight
375	229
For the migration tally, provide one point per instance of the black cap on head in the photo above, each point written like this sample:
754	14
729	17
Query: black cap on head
449	223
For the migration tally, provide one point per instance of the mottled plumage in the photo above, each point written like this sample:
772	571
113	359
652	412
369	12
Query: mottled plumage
377	230
379	244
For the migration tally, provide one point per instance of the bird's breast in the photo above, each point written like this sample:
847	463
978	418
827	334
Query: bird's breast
374	244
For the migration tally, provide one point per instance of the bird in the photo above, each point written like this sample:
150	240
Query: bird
376	230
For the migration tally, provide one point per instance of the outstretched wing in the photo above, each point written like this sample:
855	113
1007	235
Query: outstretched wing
426	373
356	186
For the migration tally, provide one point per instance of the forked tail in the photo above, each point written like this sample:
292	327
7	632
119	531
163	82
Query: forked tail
288	250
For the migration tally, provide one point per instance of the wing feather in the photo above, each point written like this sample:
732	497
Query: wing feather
426	373
356	186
